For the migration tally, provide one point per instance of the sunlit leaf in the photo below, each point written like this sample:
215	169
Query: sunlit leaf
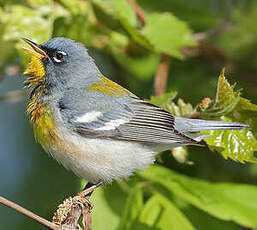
238	145
36	3
227	201
201	219
133	207
246	112
75	7
109	201
167	34
159	212
21	21
163	99
106	14
226	99
129	21
142	67
177	109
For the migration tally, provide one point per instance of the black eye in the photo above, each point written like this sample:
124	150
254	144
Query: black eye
59	56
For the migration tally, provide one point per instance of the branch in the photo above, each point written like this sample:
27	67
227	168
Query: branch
13	96
29	214
161	75
202	36
68	213
138	11
162	72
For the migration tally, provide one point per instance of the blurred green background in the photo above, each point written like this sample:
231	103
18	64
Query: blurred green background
31	178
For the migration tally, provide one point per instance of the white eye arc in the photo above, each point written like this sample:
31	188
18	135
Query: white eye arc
59	55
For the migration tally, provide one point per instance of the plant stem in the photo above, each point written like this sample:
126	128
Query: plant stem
161	76
28	213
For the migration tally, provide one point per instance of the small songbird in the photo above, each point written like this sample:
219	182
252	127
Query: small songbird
93	126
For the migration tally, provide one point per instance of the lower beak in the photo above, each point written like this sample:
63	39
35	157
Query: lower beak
36	52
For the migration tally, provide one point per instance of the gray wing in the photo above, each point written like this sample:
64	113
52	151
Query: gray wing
93	114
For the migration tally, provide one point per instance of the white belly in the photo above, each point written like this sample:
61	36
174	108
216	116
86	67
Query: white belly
103	160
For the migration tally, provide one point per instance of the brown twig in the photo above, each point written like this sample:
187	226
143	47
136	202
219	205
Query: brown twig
161	75
68	213
162	72
202	36
138	11
13	96
28	213
194	115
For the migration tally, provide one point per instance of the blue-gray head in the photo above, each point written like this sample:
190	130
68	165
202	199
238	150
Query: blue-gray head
59	62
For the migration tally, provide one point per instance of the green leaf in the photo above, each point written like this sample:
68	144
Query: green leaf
238	145
226	99
142	67
21	21
126	13
200	14
163	99
108	203
106	14
75	7
180	109
36	24
166	102
134	205
167	34
36	3
246	112
129	21
160	213
200	219
225	95
227	201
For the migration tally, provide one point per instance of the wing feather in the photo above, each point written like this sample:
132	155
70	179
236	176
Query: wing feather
122	118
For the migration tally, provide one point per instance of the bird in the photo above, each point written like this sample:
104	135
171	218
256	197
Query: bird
92	125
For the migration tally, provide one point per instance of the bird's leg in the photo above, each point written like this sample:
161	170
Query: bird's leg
85	194
88	190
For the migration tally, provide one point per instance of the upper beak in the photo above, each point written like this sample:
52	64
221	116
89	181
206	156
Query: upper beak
36	52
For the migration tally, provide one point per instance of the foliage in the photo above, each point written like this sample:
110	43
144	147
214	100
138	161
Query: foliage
128	51
238	145
161	199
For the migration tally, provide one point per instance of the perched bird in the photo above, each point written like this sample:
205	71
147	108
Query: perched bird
93	126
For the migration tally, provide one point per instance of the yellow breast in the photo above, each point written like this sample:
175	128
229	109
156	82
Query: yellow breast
40	115
42	122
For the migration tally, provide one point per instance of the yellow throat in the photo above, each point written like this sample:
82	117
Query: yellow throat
39	115
35	72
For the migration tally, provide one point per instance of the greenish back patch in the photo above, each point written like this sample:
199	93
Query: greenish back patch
109	87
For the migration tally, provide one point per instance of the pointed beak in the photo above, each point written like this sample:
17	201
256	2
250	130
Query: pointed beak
36	52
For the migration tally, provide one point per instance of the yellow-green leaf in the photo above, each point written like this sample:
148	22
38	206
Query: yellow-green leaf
167	34
159	212
230	106
238	145
227	201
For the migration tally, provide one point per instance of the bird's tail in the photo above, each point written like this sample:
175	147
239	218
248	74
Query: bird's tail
186	125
